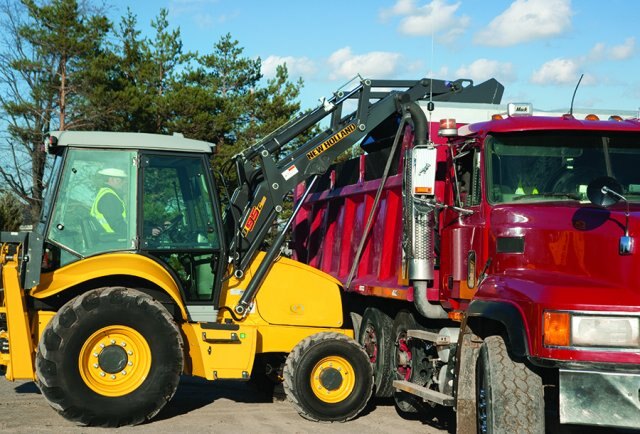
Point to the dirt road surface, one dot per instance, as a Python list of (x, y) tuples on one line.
[(207, 407)]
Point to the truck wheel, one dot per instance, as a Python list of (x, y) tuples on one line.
[(375, 337), (328, 377), (110, 357), (510, 397), (404, 362)]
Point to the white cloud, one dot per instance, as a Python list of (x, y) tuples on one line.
[(568, 70), (402, 7), (297, 66), (624, 50), (484, 69), (380, 64), (560, 71), (437, 17), (527, 20), (601, 51)]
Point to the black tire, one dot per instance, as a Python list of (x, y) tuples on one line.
[(110, 357), (403, 362), (328, 378), (375, 336), (510, 396)]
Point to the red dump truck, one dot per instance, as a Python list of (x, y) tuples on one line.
[(492, 268)]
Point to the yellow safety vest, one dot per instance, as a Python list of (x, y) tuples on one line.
[(520, 190), (98, 215)]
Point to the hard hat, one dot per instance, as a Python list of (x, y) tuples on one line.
[(111, 172)]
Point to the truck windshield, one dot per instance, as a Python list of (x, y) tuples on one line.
[(558, 165)]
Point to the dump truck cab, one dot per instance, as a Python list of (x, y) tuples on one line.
[(547, 255)]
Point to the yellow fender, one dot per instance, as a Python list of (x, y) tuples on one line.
[(110, 264)]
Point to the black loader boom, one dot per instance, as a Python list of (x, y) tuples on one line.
[(266, 177)]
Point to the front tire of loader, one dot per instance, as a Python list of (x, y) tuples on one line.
[(110, 357), (328, 378)]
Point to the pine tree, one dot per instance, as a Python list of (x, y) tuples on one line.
[(43, 49), (11, 212)]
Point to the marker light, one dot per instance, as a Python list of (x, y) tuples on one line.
[(591, 117), (615, 118), (448, 128), (496, 117), (556, 329)]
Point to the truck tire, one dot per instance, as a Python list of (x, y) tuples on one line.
[(328, 378), (375, 337), (110, 357), (403, 362), (510, 397)]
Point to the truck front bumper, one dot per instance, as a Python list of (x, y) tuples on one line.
[(600, 398)]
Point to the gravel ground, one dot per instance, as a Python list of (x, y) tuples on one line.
[(201, 406)]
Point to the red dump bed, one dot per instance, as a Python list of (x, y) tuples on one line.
[(329, 228)]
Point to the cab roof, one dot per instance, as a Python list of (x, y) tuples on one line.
[(110, 140), (548, 123)]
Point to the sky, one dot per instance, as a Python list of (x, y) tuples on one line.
[(537, 49)]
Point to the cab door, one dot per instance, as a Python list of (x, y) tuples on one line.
[(180, 226), (463, 255)]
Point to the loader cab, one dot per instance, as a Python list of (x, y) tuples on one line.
[(136, 193)]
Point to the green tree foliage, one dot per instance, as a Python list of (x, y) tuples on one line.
[(45, 49), (11, 212), (73, 71)]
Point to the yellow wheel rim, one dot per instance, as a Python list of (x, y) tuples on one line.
[(332, 379), (114, 361)]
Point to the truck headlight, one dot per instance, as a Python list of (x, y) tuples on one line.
[(591, 330)]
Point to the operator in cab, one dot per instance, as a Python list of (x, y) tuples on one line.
[(108, 207)]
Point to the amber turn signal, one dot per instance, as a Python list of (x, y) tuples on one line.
[(557, 329)]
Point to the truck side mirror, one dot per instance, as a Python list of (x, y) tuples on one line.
[(604, 191)]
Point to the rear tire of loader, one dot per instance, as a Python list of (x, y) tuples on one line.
[(110, 357), (328, 378), (510, 396), (375, 337)]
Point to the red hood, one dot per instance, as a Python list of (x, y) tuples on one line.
[(572, 249)]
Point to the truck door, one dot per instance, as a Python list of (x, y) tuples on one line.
[(180, 226), (463, 256)]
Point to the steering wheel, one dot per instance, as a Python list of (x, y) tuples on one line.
[(568, 181), (173, 225)]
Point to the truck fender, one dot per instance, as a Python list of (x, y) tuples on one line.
[(506, 314)]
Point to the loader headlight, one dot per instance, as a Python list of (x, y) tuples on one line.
[(574, 329)]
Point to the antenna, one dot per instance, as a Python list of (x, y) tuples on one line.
[(430, 103), (574, 94)]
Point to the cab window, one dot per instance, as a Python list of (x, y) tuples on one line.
[(94, 210), (178, 222)]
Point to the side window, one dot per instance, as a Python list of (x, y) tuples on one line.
[(95, 208), (177, 211), (468, 174)]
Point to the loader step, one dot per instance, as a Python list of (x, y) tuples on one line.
[(424, 393), (429, 336)]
